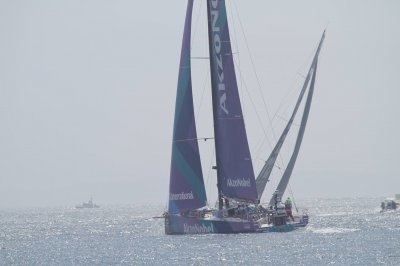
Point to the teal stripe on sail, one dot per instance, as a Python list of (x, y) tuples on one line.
[(183, 83), (191, 178)]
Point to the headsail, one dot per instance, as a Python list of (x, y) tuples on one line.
[(266, 171), (234, 166), (289, 168), (186, 188)]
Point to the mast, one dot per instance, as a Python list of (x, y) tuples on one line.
[(289, 169), (234, 166), (186, 188), (210, 47)]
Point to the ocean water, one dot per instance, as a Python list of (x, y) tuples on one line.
[(341, 232)]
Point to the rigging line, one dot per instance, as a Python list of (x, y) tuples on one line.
[(208, 184), (292, 88), (166, 206), (301, 75), (294, 202), (254, 70), (286, 120), (259, 86), (236, 43), (196, 23), (276, 115), (202, 94), (290, 91), (258, 146), (242, 81), (194, 139), (255, 109), (280, 154), (258, 81), (258, 117)]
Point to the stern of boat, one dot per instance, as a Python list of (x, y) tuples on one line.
[(301, 221)]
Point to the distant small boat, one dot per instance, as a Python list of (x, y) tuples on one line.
[(87, 205), (391, 203)]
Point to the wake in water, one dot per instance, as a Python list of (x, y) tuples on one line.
[(331, 230), (335, 214)]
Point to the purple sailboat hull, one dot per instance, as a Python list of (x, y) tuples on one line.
[(179, 225), (176, 225)]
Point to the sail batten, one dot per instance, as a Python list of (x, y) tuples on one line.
[(186, 189), (234, 166)]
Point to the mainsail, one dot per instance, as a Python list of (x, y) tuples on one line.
[(186, 188), (234, 166)]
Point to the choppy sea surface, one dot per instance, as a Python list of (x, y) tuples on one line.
[(341, 232)]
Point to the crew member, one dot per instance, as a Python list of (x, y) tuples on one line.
[(288, 208), (276, 199)]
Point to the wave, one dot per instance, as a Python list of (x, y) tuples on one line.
[(335, 214)]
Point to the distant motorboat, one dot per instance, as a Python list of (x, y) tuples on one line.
[(391, 203), (87, 205)]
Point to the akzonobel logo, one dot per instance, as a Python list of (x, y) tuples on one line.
[(198, 229), (217, 44)]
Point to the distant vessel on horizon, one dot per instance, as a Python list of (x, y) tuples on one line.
[(391, 203), (87, 205)]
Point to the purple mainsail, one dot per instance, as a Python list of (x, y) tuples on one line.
[(186, 188), (234, 165)]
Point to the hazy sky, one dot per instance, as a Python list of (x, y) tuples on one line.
[(87, 95)]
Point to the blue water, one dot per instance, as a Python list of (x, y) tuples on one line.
[(341, 232)]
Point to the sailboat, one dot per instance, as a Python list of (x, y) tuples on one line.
[(239, 192)]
